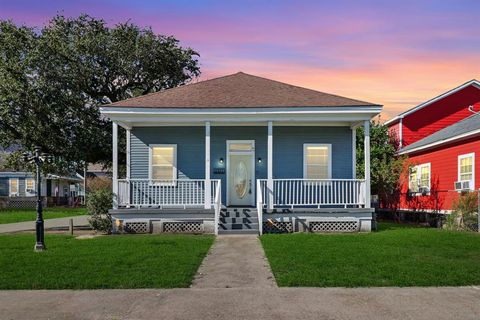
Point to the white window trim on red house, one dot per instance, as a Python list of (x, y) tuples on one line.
[(418, 168), (463, 156)]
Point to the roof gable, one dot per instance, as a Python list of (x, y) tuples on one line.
[(475, 83), (467, 126), (239, 90)]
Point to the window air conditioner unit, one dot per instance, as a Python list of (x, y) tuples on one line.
[(462, 185), (423, 190)]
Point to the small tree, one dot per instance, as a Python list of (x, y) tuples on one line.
[(98, 204), (386, 166)]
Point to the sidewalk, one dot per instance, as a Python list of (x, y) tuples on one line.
[(235, 261), (244, 303), (49, 223)]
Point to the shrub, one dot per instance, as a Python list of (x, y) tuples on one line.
[(98, 204), (464, 216), (97, 183)]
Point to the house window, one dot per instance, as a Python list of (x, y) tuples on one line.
[(419, 177), (13, 187), (466, 168), (163, 163), (317, 161), (30, 185)]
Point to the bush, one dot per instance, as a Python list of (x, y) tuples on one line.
[(98, 183), (464, 216), (98, 204)]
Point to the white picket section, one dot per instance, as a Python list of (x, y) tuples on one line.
[(313, 192), (181, 193)]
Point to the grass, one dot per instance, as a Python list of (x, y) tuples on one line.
[(123, 261), (19, 215), (396, 255)]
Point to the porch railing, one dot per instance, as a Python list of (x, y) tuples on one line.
[(312, 192), (175, 193)]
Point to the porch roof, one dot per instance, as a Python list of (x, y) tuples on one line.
[(239, 90)]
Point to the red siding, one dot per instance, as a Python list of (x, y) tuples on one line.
[(393, 130), (439, 114), (443, 173)]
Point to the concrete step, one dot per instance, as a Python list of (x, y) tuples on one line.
[(238, 214), (237, 231), (238, 226), (246, 220)]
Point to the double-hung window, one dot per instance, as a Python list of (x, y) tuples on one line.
[(419, 177), (163, 164), (317, 161), (13, 188), (29, 186), (466, 168)]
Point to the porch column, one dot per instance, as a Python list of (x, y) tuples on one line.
[(270, 166), (208, 185), (366, 126), (354, 152), (115, 164), (128, 166), (128, 153)]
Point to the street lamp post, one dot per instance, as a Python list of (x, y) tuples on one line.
[(38, 159)]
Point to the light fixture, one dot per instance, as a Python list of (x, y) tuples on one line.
[(259, 160), (221, 160)]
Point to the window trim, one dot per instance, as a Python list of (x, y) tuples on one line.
[(26, 187), (419, 167), (463, 156), (10, 194), (329, 148), (150, 158)]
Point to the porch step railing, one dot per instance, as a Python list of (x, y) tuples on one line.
[(175, 193), (312, 192)]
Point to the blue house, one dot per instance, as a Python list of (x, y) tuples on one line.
[(238, 154)]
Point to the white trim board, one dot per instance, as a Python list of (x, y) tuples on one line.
[(463, 156), (436, 143), (227, 168), (329, 149), (150, 154)]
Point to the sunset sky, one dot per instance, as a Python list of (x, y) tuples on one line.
[(395, 53)]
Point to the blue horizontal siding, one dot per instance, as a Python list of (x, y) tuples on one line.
[(287, 149), (190, 143)]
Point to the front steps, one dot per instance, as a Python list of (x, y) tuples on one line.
[(238, 221)]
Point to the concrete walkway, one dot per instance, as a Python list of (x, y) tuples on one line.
[(235, 261), (49, 223), (244, 303)]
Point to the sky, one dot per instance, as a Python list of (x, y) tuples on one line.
[(394, 53)]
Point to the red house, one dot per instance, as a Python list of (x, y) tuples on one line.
[(441, 137)]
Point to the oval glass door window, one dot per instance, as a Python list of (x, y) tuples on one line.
[(240, 179)]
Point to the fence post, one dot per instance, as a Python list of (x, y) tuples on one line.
[(70, 227)]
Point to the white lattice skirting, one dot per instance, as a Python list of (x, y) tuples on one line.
[(183, 227), (137, 227), (277, 227), (334, 226)]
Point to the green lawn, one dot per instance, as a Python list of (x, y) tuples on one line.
[(120, 261), (19, 215), (396, 255)]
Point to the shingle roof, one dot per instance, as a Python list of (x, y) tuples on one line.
[(239, 90), (465, 126)]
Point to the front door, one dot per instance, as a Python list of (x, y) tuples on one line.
[(240, 172)]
